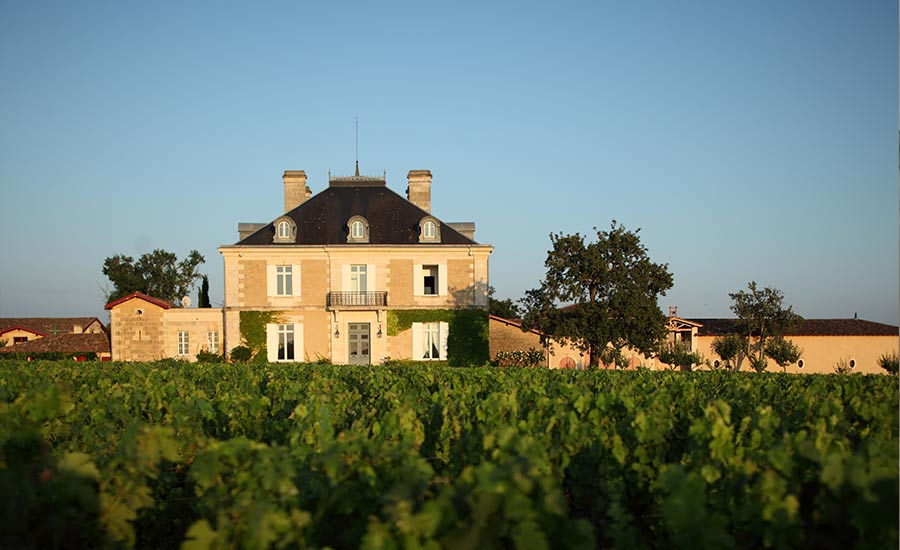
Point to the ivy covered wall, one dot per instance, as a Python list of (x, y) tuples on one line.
[(253, 330), (467, 342)]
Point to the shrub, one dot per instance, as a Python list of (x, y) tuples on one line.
[(842, 366), (204, 356), (519, 358), (241, 354), (889, 363)]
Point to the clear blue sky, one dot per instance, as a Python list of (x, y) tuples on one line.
[(748, 140)]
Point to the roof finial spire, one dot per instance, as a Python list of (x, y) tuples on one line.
[(356, 118)]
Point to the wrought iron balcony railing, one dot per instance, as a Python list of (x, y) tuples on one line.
[(357, 299)]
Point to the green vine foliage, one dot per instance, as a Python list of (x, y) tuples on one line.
[(253, 330), (467, 343)]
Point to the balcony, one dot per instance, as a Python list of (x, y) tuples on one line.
[(357, 300)]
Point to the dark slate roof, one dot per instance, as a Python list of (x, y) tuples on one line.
[(47, 325), (63, 343), (809, 327), (323, 218)]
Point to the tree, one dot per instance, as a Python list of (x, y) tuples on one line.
[(762, 315), (728, 348), (203, 294), (612, 286), (156, 274), (503, 308), (782, 352), (679, 354)]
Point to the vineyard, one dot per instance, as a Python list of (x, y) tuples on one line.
[(172, 455)]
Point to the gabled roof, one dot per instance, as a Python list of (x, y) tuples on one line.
[(47, 325), (23, 329), (513, 322), (322, 219), (809, 327), (63, 343), (141, 296)]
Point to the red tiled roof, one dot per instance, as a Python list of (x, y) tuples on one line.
[(26, 329), (47, 325), (809, 327), (161, 303), (64, 343)]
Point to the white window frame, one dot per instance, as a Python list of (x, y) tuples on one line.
[(359, 278), (427, 271), (285, 230), (357, 230), (284, 280), (275, 275), (212, 339), (184, 342), (429, 230), (277, 349), (419, 279), (427, 336)]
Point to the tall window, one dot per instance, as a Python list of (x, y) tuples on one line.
[(428, 230), (358, 230), (358, 278), (183, 342), (430, 279), (284, 230), (284, 280), (285, 342), (213, 341), (431, 341)]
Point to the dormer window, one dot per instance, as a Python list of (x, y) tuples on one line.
[(358, 230), (429, 230), (285, 230)]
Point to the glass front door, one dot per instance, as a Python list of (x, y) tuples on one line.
[(358, 338)]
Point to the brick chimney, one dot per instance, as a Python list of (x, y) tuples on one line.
[(295, 189), (419, 190)]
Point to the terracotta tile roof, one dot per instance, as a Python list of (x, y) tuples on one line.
[(47, 325), (139, 295), (65, 343), (809, 327), (322, 219)]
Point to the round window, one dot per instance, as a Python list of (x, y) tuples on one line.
[(853, 363), (800, 364)]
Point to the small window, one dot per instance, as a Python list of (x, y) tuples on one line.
[(429, 230), (357, 230), (285, 230), (19, 339), (213, 340), (183, 342), (430, 280), (800, 364), (139, 312), (716, 363), (853, 363)]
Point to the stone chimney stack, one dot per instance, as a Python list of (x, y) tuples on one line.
[(295, 189), (419, 190)]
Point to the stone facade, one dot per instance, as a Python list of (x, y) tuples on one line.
[(330, 290), (143, 328)]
